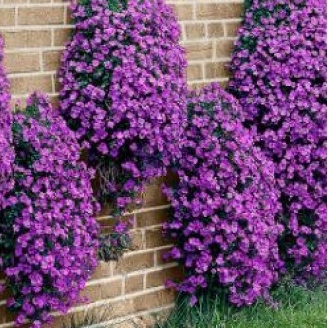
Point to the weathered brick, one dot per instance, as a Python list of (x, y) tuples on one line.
[(51, 60), (133, 283), (91, 294), (137, 240), (224, 48), (41, 15), (7, 16), (215, 30), (195, 31), (150, 218), (195, 72), (134, 262), (68, 16), (61, 35), (122, 308), (22, 62), (103, 270), (29, 84), (155, 238), (13, 2), (153, 300), (111, 289), (232, 28), (199, 50), (40, 1), (184, 12), (27, 38), (158, 278), (219, 10), (216, 70)]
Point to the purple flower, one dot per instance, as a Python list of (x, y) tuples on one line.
[(225, 204), (279, 75), (6, 151), (48, 245), (124, 92)]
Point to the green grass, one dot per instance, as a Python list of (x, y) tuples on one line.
[(297, 308)]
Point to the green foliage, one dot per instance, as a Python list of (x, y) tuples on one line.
[(113, 5), (113, 245), (296, 308)]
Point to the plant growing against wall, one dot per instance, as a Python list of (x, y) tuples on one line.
[(112, 245), (124, 92), (279, 76), (6, 151), (224, 205), (48, 245)]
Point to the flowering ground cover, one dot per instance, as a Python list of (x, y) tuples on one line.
[(279, 76), (48, 245), (124, 92), (224, 205), (6, 151), (249, 205)]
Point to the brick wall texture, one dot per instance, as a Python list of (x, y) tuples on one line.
[(35, 32)]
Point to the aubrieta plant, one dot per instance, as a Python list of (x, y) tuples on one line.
[(6, 151), (124, 92), (114, 244), (224, 205), (48, 245), (279, 76)]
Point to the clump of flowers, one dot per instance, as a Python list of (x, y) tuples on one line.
[(113, 245), (48, 244), (279, 76), (6, 151), (124, 91), (224, 204)]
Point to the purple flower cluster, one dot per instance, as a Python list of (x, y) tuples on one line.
[(124, 91), (113, 245), (48, 244), (7, 154), (224, 205), (279, 76)]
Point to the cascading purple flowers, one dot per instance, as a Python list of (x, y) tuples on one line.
[(48, 243), (224, 205), (279, 76), (7, 154), (124, 91)]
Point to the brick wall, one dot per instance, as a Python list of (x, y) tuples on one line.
[(34, 32)]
